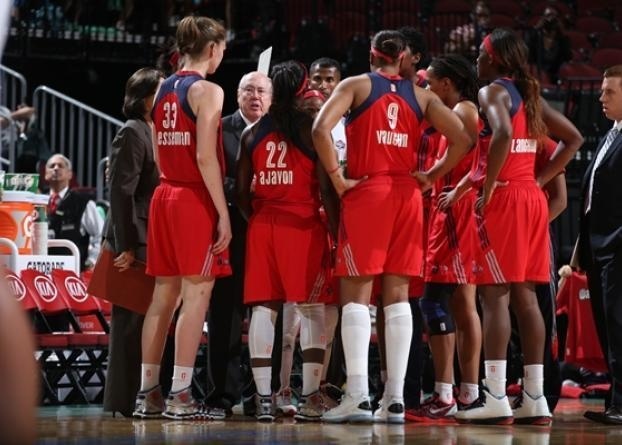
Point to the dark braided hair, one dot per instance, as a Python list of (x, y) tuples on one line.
[(287, 80), (511, 58), (461, 73)]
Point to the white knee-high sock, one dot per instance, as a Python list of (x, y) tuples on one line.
[(312, 336), (398, 329), (331, 316), (291, 325), (355, 334), (260, 344)]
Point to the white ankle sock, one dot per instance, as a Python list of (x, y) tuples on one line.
[(355, 334), (445, 391), (496, 376), (149, 376), (469, 392), (182, 378), (534, 380)]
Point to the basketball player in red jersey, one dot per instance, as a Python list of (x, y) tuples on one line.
[(414, 52), (380, 229), (287, 250), (189, 228), (513, 225), (448, 303)]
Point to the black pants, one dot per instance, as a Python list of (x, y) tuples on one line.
[(605, 284), (225, 319)]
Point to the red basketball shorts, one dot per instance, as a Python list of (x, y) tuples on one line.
[(513, 233), (287, 259), (181, 232), (381, 229)]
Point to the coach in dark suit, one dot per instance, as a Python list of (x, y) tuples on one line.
[(600, 243), (227, 311), (133, 178)]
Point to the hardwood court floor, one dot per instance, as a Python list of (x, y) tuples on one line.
[(89, 425)]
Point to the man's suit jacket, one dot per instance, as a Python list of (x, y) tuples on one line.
[(602, 237), (133, 179), (232, 127)]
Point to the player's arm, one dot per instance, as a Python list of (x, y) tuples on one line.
[(333, 110), (494, 100), (557, 195), (570, 140), (449, 124), (206, 99)]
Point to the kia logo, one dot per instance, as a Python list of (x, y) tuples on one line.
[(46, 289), (17, 287), (76, 289)]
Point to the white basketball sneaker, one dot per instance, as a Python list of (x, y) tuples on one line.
[(353, 408), (390, 410), (486, 410), (531, 411)]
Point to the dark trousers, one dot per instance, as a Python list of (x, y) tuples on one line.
[(124, 357), (416, 359), (604, 279), (225, 320), (552, 375)]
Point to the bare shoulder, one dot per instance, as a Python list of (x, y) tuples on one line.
[(465, 106), (204, 90), (493, 91)]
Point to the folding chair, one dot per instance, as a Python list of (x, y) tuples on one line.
[(50, 303), (49, 346), (92, 322)]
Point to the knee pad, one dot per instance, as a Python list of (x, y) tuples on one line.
[(435, 308)]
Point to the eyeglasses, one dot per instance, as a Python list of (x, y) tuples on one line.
[(251, 91)]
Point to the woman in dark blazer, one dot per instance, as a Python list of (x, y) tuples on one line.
[(133, 177)]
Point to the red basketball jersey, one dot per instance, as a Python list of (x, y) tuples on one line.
[(383, 132), (428, 147), (175, 130), (284, 170), (520, 162), (467, 164), (546, 148)]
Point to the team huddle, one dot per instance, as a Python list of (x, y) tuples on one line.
[(441, 196)]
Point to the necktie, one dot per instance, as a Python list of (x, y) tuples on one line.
[(613, 133), (53, 204)]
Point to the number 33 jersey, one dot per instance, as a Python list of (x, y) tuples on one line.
[(175, 134)]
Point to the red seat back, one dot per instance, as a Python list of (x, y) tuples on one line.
[(73, 290), (44, 291), (20, 291)]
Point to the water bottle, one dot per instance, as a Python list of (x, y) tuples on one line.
[(40, 232)]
